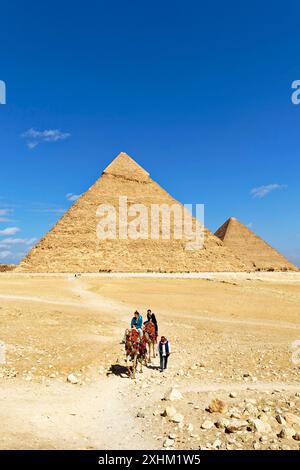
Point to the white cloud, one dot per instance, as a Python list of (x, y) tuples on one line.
[(5, 254), (10, 231), (34, 137), (262, 191), (32, 145), (17, 241), (72, 197)]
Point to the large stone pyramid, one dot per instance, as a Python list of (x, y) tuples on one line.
[(255, 253), (73, 246)]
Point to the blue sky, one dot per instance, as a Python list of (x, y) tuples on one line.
[(199, 93)]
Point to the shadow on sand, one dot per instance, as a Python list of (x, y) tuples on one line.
[(119, 371)]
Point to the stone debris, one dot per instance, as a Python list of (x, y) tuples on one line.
[(73, 379), (217, 406)]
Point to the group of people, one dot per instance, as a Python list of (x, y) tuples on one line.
[(164, 347)]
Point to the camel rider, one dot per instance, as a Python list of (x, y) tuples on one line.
[(151, 317), (137, 322)]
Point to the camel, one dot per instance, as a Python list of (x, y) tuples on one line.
[(150, 337), (134, 351)]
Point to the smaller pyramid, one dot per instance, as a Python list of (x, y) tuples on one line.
[(252, 250)]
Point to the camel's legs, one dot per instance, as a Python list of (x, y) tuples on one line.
[(134, 366), (128, 365)]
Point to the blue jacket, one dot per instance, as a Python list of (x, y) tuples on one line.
[(138, 323)]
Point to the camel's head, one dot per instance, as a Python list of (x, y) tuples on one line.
[(127, 333)]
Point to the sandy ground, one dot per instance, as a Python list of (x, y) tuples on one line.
[(231, 334)]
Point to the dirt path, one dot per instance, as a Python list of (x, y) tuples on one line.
[(59, 415), (98, 416)]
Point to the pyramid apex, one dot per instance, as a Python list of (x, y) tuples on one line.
[(231, 219), (125, 166)]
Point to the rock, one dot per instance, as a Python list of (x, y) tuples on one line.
[(297, 436), (140, 414), (236, 425), (177, 418), (190, 427), (172, 436), (169, 411), (282, 434), (260, 426), (217, 406), (168, 442), (293, 420), (233, 394), (207, 424), (73, 379), (280, 419), (251, 410), (286, 433), (266, 409), (173, 394), (235, 413), (217, 444), (222, 423)]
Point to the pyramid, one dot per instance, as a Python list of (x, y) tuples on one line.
[(73, 246), (254, 252)]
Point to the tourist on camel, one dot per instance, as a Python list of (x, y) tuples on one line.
[(151, 317), (137, 322)]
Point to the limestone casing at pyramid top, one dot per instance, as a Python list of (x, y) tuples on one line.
[(125, 166)]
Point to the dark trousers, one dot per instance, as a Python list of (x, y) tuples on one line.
[(163, 362)]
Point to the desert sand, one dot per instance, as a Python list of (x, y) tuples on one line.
[(231, 337)]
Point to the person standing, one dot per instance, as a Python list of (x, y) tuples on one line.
[(164, 349)]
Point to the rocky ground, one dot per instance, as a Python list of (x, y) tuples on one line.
[(230, 384)]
